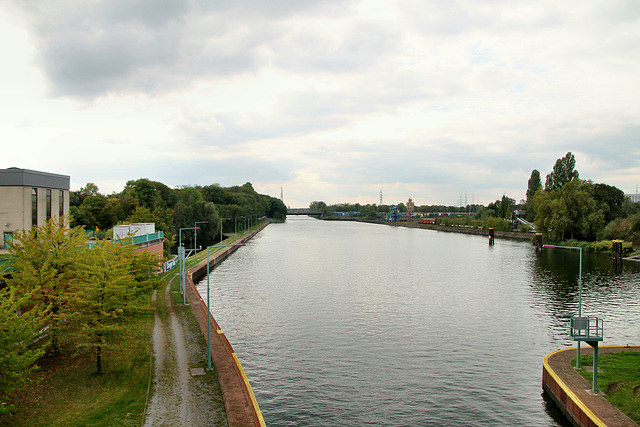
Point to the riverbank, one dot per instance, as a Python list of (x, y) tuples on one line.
[(573, 394), (241, 405), (463, 230)]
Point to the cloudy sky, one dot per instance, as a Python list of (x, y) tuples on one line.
[(332, 100)]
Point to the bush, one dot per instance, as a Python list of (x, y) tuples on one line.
[(499, 224), (627, 229)]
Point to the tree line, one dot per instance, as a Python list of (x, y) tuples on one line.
[(565, 207), (216, 209), (568, 207)]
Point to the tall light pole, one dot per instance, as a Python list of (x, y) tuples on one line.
[(182, 263), (222, 219), (579, 288), (208, 309), (195, 235)]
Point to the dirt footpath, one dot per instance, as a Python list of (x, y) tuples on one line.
[(181, 395)]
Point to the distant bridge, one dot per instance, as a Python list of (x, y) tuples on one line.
[(302, 211)]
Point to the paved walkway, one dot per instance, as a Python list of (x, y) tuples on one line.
[(181, 397), (561, 363)]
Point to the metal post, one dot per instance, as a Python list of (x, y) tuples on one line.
[(195, 235), (180, 258), (595, 367), (183, 267), (209, 309), (208, 318), (579, 302), (579, 289)]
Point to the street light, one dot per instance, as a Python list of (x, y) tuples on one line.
[(182, 263), (195, 235), (222, 219), (208, 309), (579, 287)]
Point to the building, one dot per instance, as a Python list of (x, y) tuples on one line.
[(143, 236), (635, 198), (29, 198)]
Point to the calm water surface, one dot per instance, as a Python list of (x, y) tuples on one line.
[(348, 324)]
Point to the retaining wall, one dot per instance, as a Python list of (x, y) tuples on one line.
[(240, 402), (572, 393)]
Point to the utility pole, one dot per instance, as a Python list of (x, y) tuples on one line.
[(381, 197)]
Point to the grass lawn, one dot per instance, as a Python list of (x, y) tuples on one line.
[(69, 393), (618, 378)]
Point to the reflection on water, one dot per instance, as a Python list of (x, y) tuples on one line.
[(358, 324)]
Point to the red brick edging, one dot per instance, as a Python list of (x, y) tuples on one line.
[(572, 393), (240, 402)]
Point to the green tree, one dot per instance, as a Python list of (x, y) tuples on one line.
[(17, 358), (610, 199), (533, 185), (112, 289), (569, 211), (563, 172), (45, 264)]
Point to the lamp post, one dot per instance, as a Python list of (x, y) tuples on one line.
[(182, 263), (579, 288), (195, 235), (208, 309), (222, 219)]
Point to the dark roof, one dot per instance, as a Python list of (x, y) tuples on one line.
[(16, 177)]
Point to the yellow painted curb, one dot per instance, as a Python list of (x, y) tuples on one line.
[(567, 390), (253, 397)]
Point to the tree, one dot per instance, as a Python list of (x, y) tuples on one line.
[(17, 358), (570, 210), (112, 289), (45, 264), (610, 199), (533, 185), (563, 172)]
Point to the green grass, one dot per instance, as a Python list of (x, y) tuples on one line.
[(69, 393), (619, 379)]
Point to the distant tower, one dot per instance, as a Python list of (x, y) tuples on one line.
[(380, 198), (281, 195), (410, 209)]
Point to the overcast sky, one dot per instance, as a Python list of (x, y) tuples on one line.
[(331, 100)]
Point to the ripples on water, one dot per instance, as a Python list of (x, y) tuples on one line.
[(358, 324)]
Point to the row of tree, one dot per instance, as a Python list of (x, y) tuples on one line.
[(372, 210), (64, 295), (216, 209), (565, 207), (569, 207)]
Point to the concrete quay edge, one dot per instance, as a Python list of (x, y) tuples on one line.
[(241, 405), (573, 394)]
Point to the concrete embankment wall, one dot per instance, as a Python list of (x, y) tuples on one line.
[(464, 230), (572, 407), (240, 402), (572, 393)]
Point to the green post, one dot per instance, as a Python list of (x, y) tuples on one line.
[(579, 289), (595, 367)]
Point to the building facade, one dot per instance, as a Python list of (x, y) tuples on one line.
[(29, 198)]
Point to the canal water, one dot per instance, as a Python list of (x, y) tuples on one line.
[(351, 324)]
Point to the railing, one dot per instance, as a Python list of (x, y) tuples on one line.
[(136, 240), (588, 328)]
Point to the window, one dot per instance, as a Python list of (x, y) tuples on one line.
[(34, 206), (61, 204), (48, 204)]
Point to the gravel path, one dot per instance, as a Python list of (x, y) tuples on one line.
[(178, 397)]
